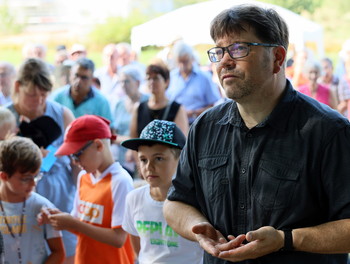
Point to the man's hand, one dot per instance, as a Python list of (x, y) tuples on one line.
[(261, 242), (208, 238)]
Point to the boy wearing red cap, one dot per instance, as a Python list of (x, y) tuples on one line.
[(100, 199)]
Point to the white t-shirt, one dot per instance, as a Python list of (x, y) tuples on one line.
[(33, 240), (159, 242)]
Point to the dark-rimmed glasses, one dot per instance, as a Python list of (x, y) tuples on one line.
[(236, 50), (75, 156)]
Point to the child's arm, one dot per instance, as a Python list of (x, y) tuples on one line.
[(111, 236), (58, 253), (135, 241)]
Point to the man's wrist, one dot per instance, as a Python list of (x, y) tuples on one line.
[(288, 240)]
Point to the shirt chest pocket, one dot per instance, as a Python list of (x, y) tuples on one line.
[(275, 184), (214, 176)]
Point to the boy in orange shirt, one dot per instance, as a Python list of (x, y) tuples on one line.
[(100, 199)]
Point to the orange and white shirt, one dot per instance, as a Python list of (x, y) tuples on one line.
[(101, 202)]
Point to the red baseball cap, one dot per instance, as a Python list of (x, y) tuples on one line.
[(82, 130)]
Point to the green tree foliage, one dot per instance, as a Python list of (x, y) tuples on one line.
[(116, 29), (180, 3), (297, 6), (334, 16), (8, 23)]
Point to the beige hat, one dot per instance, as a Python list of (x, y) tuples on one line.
[(77, 48)]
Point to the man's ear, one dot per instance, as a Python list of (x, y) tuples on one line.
[(3, 176), (280, 57)]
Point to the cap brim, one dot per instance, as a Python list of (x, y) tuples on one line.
[(68, 148), (136, 142)]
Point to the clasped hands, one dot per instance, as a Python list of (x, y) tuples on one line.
[(261, 242)]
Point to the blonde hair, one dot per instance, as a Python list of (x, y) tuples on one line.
[(6, 116), (7, 122), (19, 154)]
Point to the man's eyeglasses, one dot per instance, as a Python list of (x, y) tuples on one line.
[(236, 50), (82, 77), (124, 81), (75, 156), (29, 179)]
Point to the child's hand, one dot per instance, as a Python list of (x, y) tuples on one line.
[(43, 216), (62, 221)]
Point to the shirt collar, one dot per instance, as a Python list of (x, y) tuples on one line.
[(278, 118), (89, 95)]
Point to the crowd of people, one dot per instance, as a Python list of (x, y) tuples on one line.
[(239, 164)]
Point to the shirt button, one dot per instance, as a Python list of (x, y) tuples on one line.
[(242, 206), (243, 170), (249, 135)]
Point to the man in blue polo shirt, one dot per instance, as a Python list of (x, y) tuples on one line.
[(80, 96)]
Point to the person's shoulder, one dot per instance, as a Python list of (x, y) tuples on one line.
[(119, 173), (60, 91), (312, 110), (98, 94), (36, 200), (174, 73), (217, 112), (139, 192)]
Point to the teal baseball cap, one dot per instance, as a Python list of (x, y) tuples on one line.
[(158, 131)]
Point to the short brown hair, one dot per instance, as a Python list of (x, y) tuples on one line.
[(19, 154), (35, 71), (158, 67), (268, 25)]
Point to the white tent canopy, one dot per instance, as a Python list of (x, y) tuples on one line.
[(192, 22)]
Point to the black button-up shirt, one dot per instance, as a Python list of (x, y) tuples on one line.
[(290, 171)]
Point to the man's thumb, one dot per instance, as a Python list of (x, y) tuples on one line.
[(252, 235)]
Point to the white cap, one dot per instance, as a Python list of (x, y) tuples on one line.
[(77, 48)]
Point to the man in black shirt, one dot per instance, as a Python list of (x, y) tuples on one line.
[(263, 178)]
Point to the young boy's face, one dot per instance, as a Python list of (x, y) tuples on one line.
[(21, 185), (157, 164), (88, 159)]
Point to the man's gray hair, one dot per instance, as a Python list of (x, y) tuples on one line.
[(182, 49), (86, 64), (133, 72)]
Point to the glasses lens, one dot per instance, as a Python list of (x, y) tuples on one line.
[(38, 177), (74, 157), (215, 54), (238, 50)]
